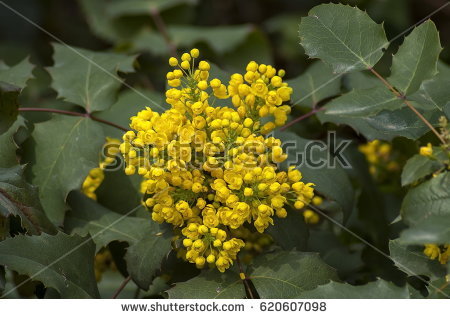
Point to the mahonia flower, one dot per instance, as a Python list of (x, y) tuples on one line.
[(96, 175), (103, 261), (378, 155), (441, 253), (209, 169), (426, 150)]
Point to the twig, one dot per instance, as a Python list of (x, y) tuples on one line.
[(245, 279), (403, 97), (302, 117), (122, 285), (161, 26), (87, 115)]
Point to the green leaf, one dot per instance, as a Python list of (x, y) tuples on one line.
[(412, 260), (19, 198), (287, 274), (342, 36), (8, 106), (433, 93), (386, 125), (139, 7), (222, 39), (210, 284), (16, 75), (128, 104), (317, 83), (88, 78), (63, 262), (144, 258), (8, 156), (364, 102), (333, 183), (290, 232), (416, 59), (2, 280), (67, 148), (360, 80), (281, 274), (427, 208), (379, 289), (103, 225), (418, 167)]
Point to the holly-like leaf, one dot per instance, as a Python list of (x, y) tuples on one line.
[(149, 243), (364, 102), (427, 208), (416, 59), (8, 156), (412, 260), (62, 262), (386, 125), (18, 198), (317, 83), (103, 225), (16, 75), (210, 284), (8, 106), (379, 289), (433, 93), (418, 167), (342, 36), (67, 148), (88, 78), (332, 182), (144, 257), (280, 274), (287, 274)]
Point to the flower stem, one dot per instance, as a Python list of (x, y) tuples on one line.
[(88, 115), (121, 287), (302, 117), (244, 280), (162, 28)]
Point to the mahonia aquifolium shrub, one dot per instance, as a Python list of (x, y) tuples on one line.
[(209, 170)]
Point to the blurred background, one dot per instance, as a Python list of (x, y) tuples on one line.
[(229, 32)]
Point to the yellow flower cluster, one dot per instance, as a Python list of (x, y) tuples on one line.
[(208, 169), (426, 150), (96, 175), (103, 261), (378, 155), (441, 253)]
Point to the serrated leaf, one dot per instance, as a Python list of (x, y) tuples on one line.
[(416, 58), (342, 36), (103, 225), (317, 83), (333, 183), (386, 125), (18, 74), (144, 257), (280, 274), (88, 78), (418, 167), (210, 284), (19, 198), (287, 274), (379, 289), (412, 260), (290, 232), (433, 93), (8, 106), (427, 207), (67, 148), (364, 102), (8, 156), (63, 262)]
